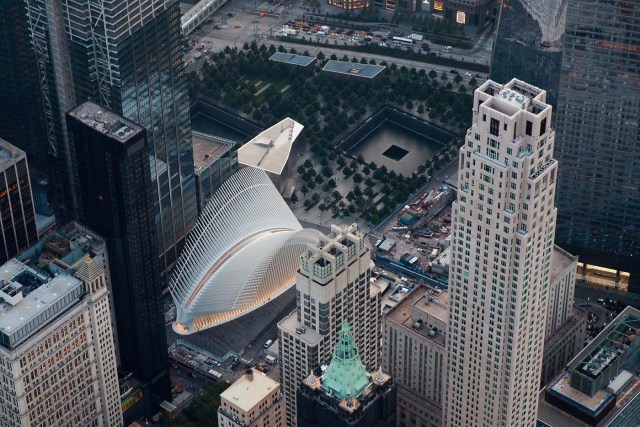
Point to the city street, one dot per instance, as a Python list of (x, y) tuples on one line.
[(241, 22)]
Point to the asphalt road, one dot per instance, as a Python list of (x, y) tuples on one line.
[(245, 25), (592, 293)]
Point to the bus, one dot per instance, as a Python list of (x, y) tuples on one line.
[(402, 41)]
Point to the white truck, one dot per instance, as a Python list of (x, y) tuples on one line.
[(290, 31)]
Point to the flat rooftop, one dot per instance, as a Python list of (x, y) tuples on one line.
[(105, 121), (246, 393), (560, 260), (355, 69), (513, 97), (290, 58), (291, 325), (34, 304), (207, 149), (613, 342), (422, 299), (8, 153), (270, 149)]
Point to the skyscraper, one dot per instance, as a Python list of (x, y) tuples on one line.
[(503, 224), (346, 395), (17, 217), (332, 287), (126, 56), (598, 122), (57, 358), (20, 118), (113, 189), (528, 43)]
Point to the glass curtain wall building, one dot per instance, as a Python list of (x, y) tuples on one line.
[(113, 190), (20, 123), (598, 118), (126, 56), (528, 43)]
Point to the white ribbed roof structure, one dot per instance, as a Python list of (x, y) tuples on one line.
[(271, 148), (243, 251)]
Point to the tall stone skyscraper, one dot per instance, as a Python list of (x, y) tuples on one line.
[(126, 56), (598, 122), (502, 241), (332, 287), (528, 43), (57, 350)]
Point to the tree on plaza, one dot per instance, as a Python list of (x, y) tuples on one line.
[(201, 412)]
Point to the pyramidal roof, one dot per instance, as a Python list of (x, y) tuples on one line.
[(88, 269), (345, 376)]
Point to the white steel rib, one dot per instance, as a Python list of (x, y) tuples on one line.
[(243, 251)]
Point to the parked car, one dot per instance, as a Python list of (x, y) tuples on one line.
[(452, 71)]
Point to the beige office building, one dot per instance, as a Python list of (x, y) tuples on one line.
[(501, 246), (57, 353), (566, 328), (562, 287), (332, 287), (254, 400), (414, 354)]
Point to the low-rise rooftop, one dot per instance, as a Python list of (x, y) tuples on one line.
[(423, 303), (600, 381), (249, 390), (354, 69), (292, 59), (560, 260), (208, 148)]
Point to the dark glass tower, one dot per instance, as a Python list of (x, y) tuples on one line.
[(125, 55), (20, 123), (17, 217), (113, 189), (528, 44), (598, 137)]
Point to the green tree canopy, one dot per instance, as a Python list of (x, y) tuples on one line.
[(201, 412)]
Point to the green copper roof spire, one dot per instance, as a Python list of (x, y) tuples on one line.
[(345, 377)]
